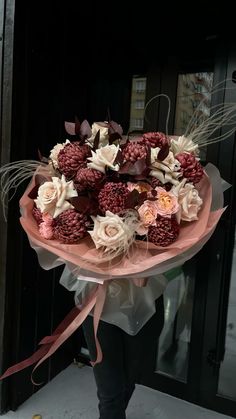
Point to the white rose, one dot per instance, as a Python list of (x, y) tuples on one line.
[(104, 157), (189, 201), (183, 144), (55, 151), (104, 136), (52, 196), (111, 232)]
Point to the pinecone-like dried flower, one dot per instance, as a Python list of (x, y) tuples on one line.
[(165, 232), (191, 169), (112, 197), (72, 157), (134, 151), (87, 178), (37, 215), (70, 226), (155, 139)]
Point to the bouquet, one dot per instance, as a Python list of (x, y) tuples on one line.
[(114, 206)]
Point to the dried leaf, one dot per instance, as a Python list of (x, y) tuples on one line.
[(77, 126), (119, 158), (84, 204), (132, 199), (154, 192), (85, 130), (142, 197), (39, 179), (113, 137), (163, 153), (70, 128), (124, 169), (80, 203), (134, 169), (34, 192), (96, 141), (115, 128)]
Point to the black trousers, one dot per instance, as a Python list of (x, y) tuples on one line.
[(125, 359)]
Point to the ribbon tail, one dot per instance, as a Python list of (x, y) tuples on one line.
[(26, 363), (48, 341), (102, 290), (77, 321)]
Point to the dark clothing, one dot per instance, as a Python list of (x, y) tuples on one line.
[(125, 359)]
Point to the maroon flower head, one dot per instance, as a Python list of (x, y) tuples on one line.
[(155, 139), (87, 178), (112, 197), (191, 169), (70, 226), (134, 151), (72, 157), (165, 232)]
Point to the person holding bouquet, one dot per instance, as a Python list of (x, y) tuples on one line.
[(127, 354)]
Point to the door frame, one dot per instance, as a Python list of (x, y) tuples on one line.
[(215, 259), (7, 14)]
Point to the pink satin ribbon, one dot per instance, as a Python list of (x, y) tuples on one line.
[(66, 328)]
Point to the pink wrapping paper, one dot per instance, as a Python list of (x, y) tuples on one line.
[(144, 258)]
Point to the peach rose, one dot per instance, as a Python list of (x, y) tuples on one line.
[(167, 203), (148, 212)]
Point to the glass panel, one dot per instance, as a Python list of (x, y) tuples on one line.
[(174, 341), (173, 352), (193, 95), (227, 376)]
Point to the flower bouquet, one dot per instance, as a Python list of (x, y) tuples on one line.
[(113, 206)]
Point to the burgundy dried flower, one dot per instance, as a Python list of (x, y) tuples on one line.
[(87, 178), (37, 215), (112, 197), (165, 232), (155, 139), (70, 226), (191, 169), (134, 151), (72, 157)]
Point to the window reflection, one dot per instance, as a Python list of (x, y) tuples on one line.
[(173, 351), (138, 95), (228, 367), (193, 94)]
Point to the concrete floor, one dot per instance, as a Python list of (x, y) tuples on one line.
[(72, 395)]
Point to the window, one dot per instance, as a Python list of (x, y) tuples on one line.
[(139, 104), (140, 85), (137, 123)]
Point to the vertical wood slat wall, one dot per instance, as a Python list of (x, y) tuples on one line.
[(6, 69)]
